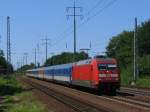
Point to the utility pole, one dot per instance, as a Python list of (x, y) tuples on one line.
[(21, 62), (35, 56), (66, 45), (46, 42), (18, 64), (90, 44), (0, 41), (74, 15), (26, 58), (135, 52), (8, 45), (23, 59), (38, 52)]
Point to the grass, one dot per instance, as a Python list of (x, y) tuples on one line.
[(16, 98), (9, 85), (25, 102), (127, 78), (143, 82)]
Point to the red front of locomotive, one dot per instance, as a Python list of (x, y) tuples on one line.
[(108, 74)]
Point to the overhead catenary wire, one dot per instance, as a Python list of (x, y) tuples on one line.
[(62, 35), (95, 6), (88, 18), (70, 32), (102, 5), (98, 12)]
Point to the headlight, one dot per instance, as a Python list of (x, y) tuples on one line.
[(102, 75)]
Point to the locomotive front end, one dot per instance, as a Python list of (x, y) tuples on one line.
[(108, 74)]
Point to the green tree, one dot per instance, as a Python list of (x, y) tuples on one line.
[(26, 67), (144, 38), (121, 48), (65, 57), (3, 63)]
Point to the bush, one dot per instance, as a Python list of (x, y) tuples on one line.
[(9, 85), (126, 75), (143, 82), (144, 65)]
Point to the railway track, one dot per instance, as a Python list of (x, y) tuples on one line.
[(127, 95), (130, 101), (135, 91), (69, 101), (96, 104)]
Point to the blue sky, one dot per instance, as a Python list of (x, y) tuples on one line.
[(32, 20)]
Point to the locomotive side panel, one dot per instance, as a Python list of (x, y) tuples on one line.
[(95, 77), (82, 75)]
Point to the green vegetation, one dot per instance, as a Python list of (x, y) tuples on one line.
[(126, 75), (16, 98), (65, 57), (24, 102), (9, 85), (143, 82), (4, 65), (2, 60), (26, 67), (121, 48)]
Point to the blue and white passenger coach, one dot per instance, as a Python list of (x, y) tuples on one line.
[(60, 73)]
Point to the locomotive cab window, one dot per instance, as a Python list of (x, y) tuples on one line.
[(102, 66), (107, 66), (112, 66)]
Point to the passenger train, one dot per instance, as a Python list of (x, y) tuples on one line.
[(98, 73)]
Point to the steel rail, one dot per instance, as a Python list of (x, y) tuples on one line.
[(136, 102), (69, 101), (135, 91)]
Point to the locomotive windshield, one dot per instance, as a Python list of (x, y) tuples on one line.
[(107, 66), (102, 67)]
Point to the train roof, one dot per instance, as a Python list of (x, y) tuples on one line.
[(82, 62), (107, 60), (88, 61), (53, 67), (59, 66)]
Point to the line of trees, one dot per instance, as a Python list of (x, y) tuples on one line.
[(26, 67), (65, 57), (121, 47)]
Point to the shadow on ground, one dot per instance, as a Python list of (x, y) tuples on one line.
[(9, 90)]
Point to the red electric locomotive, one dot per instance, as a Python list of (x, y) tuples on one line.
[(98, 73)]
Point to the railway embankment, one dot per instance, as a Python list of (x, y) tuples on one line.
[(16, 97), (124, 102)]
